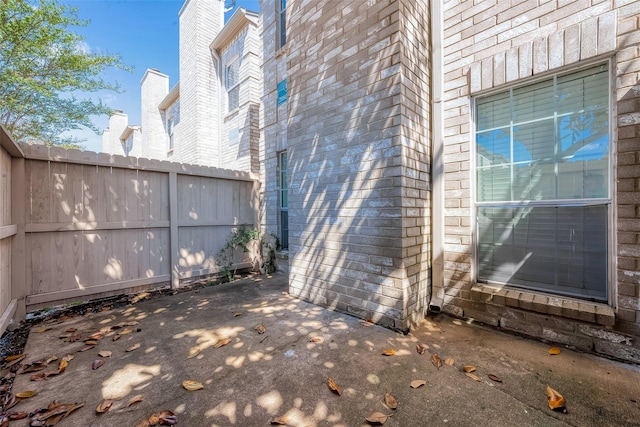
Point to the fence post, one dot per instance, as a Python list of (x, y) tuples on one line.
[(18, 255), (173, 221)]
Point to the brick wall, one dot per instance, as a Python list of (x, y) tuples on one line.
[(490, 44), (118, 121), (154, 88), (200, 22), (358, 139)]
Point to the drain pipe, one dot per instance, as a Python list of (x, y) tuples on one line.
[(437, 166)]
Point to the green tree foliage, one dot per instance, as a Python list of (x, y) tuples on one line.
[(47, 74)]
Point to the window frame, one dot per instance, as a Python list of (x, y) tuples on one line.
[(235, 61), (281, 24), (609, 201), (170, 133)]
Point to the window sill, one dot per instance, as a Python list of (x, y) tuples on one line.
[(281, 51), (170, 152), (560, 306), (231, 113)]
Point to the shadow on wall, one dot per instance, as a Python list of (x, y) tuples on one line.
[(359, 167)]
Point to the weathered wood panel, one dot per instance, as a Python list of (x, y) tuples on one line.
[(97, 224)]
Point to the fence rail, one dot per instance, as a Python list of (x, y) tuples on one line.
[(87, 225)]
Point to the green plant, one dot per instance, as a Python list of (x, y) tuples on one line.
[(240, 239)]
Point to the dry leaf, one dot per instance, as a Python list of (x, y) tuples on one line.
[(222, 342), (95, 336), (167, 418), (62, 365), (333, 386), (237, 313), (421, 348), (140, 297), (388, 352), (104, 406), (26, 394), (68, 357), (193, 352), (260, 328), (15, 357), (38, 377), (316, 340), (42, 330), (87, 348), (72, 330), (494, 378), (377, 418), (192, 385), (473, 376), (468, 368), (417, 383), (449, 361), (133, 347), (556, 401), (97, 363), (105, 353), (90, 342), (366, 323), (391, 401), (33, 367), (553, 351), (135, 399), (435, 359), (17, 415), (281, 421), (51, 358)]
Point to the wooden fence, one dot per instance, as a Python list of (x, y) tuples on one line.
[(89, 225)]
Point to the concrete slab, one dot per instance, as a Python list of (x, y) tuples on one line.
[(257, 377)]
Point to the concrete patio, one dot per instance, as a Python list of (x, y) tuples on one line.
[(257, 377)]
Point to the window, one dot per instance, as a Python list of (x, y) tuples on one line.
[(232, 84), (543, 198), (170, 126), (281, 16), (284, 200)]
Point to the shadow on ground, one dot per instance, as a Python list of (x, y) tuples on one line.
[(282, 373)]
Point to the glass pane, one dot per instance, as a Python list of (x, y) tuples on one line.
[(493, 111), (584, 90), (232, 74), (533, 102), (234, 98), (534, 168), (494, 184), (554, 249), (493, 147)]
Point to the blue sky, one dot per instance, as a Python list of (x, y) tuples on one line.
[(145, 34)]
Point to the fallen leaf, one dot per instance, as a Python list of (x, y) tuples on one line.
[(553, 351), (237, 313), (193, 352), (95, 336), (41, 330), (38, 377), (192, 385), (68, 357), (435, 359), (51, 358), (281, 421), (33, 367), (391, 401), (90, 342), (168, 418), (388, 352), (556, 401), (494, 378), (135, 399), (377, 418), (468, 368), (133, 347), (17, 415), (260, 328), (26, 394), (421, 348), (72, 330), (417, 383), (116, 338), (366, 323), (140, 297), (222, 342), (105, 353), (316, 340), (15, 357), (62, 365), (333, 386), (97, 363), (104, 406), (87, 348), (449, 361), (473, 376)]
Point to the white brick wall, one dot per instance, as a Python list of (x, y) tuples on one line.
[(154, 88)]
